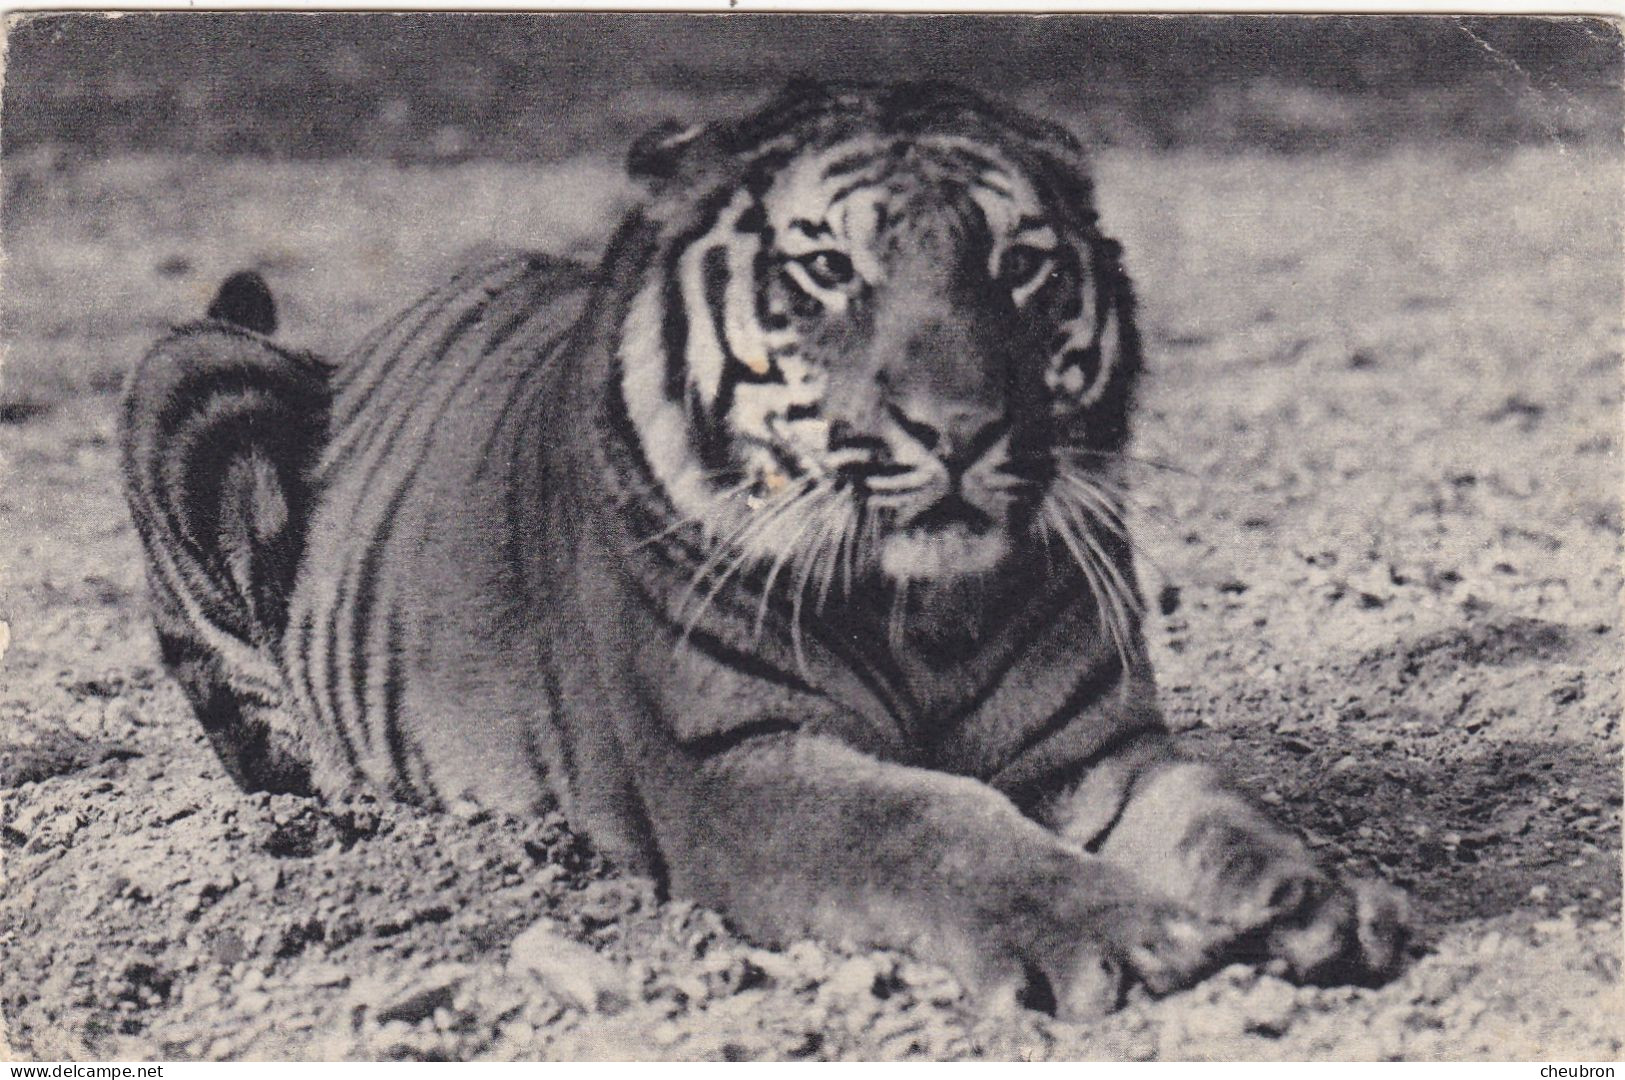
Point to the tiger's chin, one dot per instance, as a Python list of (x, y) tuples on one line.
[(944, 553)]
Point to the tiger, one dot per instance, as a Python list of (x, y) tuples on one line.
[(785, 550)]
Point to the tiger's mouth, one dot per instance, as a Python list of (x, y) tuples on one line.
[(949, 513), (919, 522)]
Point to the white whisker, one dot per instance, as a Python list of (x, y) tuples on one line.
[(803, 575), (1108, 515), (692, 519), (830, 564), (786, 556), (736, 544), (1073, 532)]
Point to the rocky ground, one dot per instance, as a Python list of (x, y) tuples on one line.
[(1379, 512)]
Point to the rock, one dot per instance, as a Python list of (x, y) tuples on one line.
[(862, 976), (266, 879), (418, 1000), (574, 970), (1269, 1006), (518, 1032), (321, 975), (202, 995), (929, 983)]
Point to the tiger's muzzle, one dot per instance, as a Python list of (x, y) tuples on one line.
[(938, 458)]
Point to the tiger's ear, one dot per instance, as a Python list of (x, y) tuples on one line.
[(658, 155)]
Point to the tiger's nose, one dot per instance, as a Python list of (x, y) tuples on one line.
[(958, 434)]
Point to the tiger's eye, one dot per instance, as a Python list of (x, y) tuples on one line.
[(1021, 264), (829, 269)]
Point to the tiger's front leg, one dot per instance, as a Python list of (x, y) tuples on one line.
[(1188, 833), (797, 836)]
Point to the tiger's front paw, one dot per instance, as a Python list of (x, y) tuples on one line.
[(1354, 931), (1076, 945), (1160, 947), (1287, 913)]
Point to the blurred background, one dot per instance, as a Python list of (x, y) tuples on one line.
[(523, 87), (351, 156)]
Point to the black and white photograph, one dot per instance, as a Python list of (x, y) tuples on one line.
[(838, 537)]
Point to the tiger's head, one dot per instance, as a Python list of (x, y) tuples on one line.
[(882, 336)]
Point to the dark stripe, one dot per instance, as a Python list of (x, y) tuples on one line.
[(1033, 627), (334, 690), (1072, 272), (851, 163), (977, 181), (307, 631), (706, 746), (353, 591), (871, 663), (802, 302), (674, 319), (962, 154), (378, 356), (529, 309), (518, 529), (402, 371), (865, 660), (753, 220), (674, 336), (536, 363), (1116, 746), (391, 718), (360, 629), (1092, 685), (811, 229), (708, 437), (714, 270), (708, 643), (387, 429), (846, 191), (518, 392), (623, 433), (408, 411), (763, 266)]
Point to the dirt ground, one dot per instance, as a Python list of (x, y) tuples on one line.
[(1379, 516)]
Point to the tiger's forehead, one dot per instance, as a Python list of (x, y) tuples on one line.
[(844, 192)]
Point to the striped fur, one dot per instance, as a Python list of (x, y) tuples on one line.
[(785, 549)]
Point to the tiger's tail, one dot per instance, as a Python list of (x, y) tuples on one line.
[(220, 431)]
